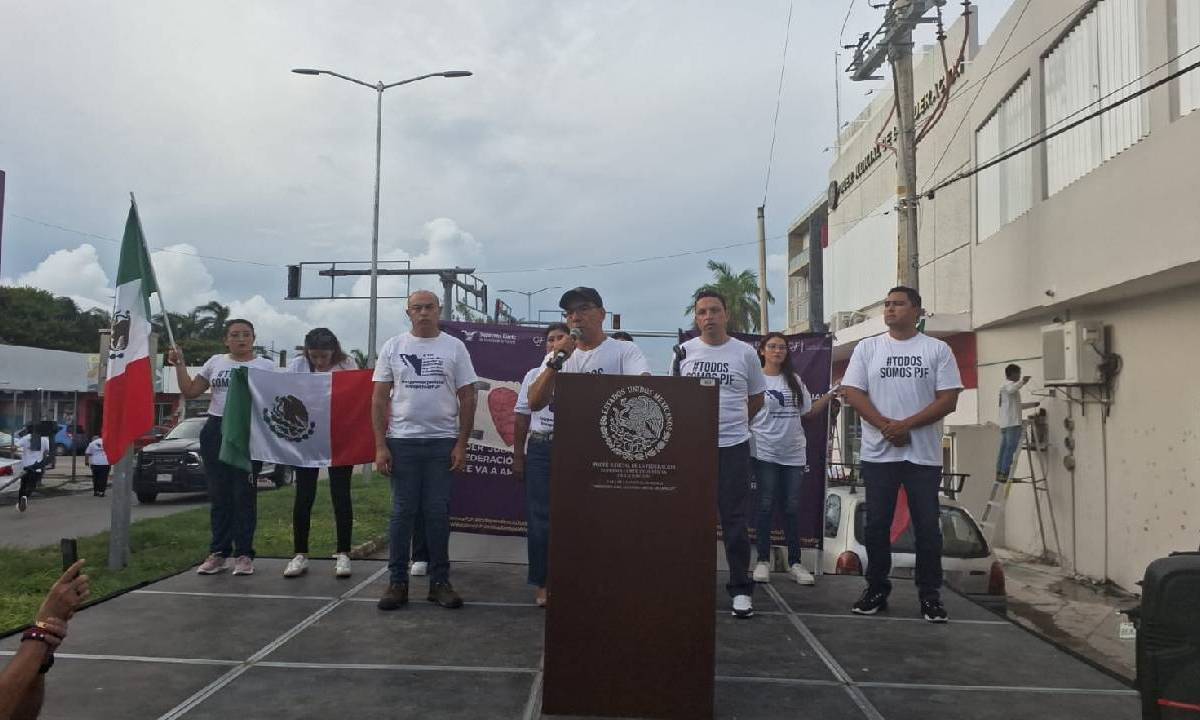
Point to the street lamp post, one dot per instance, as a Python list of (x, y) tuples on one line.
[(378, 87), (529, 297)]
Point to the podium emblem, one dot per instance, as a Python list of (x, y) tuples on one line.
[(636, 423)]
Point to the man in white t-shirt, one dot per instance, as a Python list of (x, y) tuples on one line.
[(902, 384), (533, 466), (736, 368), (35, 453), (423, 411), (97, 460), (588, 350), (1010, 418)]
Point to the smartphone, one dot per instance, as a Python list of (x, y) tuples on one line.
[(70, 552)]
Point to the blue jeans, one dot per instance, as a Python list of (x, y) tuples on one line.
[(233, 494), (921, 482), (1010, 441), (537, 509), (421, 483), (778, 485)]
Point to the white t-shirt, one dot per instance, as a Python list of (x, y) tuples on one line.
[(30, 456), (1010, 403), (95, 452), (300, 364), (902, 378), (736, 368), (610, 357), (541, 420), (427, 374), (216, 372), (777, 428)]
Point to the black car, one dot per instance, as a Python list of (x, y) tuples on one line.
[(173, 465)]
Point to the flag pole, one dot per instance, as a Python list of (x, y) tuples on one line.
[(153, 275)]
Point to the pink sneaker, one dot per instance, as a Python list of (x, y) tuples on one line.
[(244, 565), (212, 565)]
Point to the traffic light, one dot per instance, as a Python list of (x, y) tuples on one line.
[(293, 282)]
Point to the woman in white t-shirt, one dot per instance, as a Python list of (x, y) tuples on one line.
[(35, 451), (780, 453), (322, 353), (230, 489), (97, 460)]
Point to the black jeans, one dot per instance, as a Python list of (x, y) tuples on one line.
[(29, 480), (733, 496), (100, 478), (233, 495), (306, 494), (921, 482)]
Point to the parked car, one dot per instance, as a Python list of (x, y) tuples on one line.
[(68, 439), (174, 465), (156, 433), (8, 447), (10, 470), (968, 562)]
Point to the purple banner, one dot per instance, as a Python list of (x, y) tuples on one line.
[(812, 358), (486, 498)]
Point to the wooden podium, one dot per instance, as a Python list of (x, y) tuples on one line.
[(630, 624)]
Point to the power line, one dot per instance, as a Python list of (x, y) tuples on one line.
[(84, 233), (1049, 136), (787, 33), (842, 32)]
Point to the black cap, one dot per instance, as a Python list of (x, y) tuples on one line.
[(574, 295)]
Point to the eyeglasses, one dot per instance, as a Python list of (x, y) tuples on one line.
[(776, 346), (240, 335), (578, 309)]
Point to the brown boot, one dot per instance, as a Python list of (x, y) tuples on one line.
[(394, 597), (443, 594)]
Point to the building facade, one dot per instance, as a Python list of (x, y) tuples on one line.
[(1095, 221)]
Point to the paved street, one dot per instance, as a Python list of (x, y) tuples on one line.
[(74, 515)]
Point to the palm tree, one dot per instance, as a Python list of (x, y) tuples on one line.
[(741, 296), (209, 319), (360, 358)]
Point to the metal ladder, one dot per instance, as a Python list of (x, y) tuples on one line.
[(1034, 449)]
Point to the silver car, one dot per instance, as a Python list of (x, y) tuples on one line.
[(968, 562)]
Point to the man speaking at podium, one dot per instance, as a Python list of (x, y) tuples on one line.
[(590, 351)]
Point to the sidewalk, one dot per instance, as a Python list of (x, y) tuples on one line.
[(1079, 616)]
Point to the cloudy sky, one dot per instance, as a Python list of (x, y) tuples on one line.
[(592, 133)]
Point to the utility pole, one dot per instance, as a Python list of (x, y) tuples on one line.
[(893, 42), (762, 269)]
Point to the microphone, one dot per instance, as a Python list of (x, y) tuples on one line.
[(560, 357)]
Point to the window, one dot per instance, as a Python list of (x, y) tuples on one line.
[(833, 515), (1097, 63), (1187, 38), (961, 537), (1005, 191)]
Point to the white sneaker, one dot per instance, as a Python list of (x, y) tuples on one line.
[(742, 606), (341, 565), (22, 503), (801, 575), (296, 567), (762, 572), (419, 569)]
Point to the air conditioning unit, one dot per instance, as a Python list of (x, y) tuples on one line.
[(1072, 353), (843, 319)]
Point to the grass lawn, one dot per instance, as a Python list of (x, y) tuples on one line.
[(167, 545)]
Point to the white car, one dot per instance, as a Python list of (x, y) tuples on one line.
[(968, 563), (10, 473)]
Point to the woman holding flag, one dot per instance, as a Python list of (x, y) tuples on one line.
[(322, 353), (230, 489)]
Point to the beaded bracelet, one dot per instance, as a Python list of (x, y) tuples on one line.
[(41, 636)]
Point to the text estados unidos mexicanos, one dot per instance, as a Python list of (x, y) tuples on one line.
[(905, 366)]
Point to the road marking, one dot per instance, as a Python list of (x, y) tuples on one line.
[(137, 658), (387, 666), (852, 616), (1001, 688), (533, 706), (251, 596)]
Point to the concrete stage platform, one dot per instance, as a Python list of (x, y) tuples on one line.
[(316, 647)]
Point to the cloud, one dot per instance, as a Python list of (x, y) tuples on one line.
[(185, 281), (76, 274)]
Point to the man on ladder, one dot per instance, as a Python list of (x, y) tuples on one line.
[(1010, 419)]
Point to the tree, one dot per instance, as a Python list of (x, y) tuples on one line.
[(741, 296), (209, 319), (37, 318), (360, 358)]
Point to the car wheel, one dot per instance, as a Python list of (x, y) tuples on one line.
[(146, 498), (282, 475)]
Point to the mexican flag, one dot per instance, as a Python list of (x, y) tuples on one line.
[(129, 385), (301, 419)]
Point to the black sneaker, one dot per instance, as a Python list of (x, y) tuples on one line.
[(870, 602), (394, 597), (933, 610), (443, 594)]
